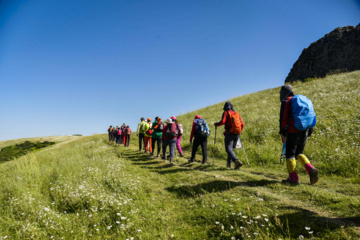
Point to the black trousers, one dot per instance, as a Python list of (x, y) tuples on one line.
[(141, 140), (295, 144), (199, 141), (158, 142), (127, 140)]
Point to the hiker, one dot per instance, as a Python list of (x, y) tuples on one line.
[(113, 133), (200, 132), (123, 136), (295, 139), (157, 127), (117, 135), (128, 136), (109, 132), (169, 138), (148, 133), (181, 130), (140, 132), (233, 127)]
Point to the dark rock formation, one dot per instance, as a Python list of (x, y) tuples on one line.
[(338, 50)]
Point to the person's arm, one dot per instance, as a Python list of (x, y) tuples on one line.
[(192, 131), (285, 121), (222, 121), (138, 129)]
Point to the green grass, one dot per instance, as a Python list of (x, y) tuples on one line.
[(89, 189)]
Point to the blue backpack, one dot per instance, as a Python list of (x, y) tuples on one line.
[(303, 112), (201, 128)]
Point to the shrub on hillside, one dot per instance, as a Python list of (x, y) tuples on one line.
[(10, 152)]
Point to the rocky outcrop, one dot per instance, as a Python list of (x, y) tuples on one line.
[(338, 50)]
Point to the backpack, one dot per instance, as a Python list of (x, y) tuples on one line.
[(201, 128), (235, 123), (160, 127), (181, 129), (119, 132), (149, 132), (142, 127), (172, 130), (303, 112), (128, 131)]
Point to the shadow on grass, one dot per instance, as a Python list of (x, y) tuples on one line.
[(301, 218), (214, 186)]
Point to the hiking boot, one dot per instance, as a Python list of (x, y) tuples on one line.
[(314, 175), (163, 158), (152, 153), (191, 160), (171, 160), (228, 165), (288, 181), (238, 164), (181, 155), (204, 163)]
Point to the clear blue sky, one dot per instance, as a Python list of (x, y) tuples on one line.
[(78, 66)]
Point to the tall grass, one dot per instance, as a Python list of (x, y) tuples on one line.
[(334, 146)]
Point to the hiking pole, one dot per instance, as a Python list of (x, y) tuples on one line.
[(283, 153), (214, 146), (244, 151)]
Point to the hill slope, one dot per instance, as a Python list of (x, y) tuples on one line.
[(90, 189)]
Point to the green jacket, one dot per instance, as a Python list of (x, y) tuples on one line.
[(156, 134), (139, 129)]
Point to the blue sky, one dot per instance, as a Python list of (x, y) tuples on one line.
[(69, 67)]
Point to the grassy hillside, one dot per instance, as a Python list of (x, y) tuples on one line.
[(334, 147), (90, 189)]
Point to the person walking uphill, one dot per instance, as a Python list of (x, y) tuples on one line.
[(140, 132), (233, 127), (128, 136), (148, 133), (123, 135), (157, 128), (200, 132), (181, 129), (109, 132), (294, 130), (169, 137)]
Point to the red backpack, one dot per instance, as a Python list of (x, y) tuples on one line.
[(172, 130)]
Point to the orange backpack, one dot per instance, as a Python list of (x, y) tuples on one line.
[(235, 122)]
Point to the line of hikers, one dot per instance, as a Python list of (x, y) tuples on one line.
[(297, 119), (120, 135)]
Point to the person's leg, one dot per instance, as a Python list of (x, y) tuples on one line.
[(158, 146), (165, 143), (153, 141), (150, 144), (146, 140), (204, 150), (313, 172), (172, 148), (291, 145), (195, 146), (178, 146), (141, 141), (124, 139), (128, 140)]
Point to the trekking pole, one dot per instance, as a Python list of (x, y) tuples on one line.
[(244, 151), (214, 146), (283, 153)]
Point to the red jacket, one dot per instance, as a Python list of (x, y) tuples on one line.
[(226, 120), (287, 121)]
